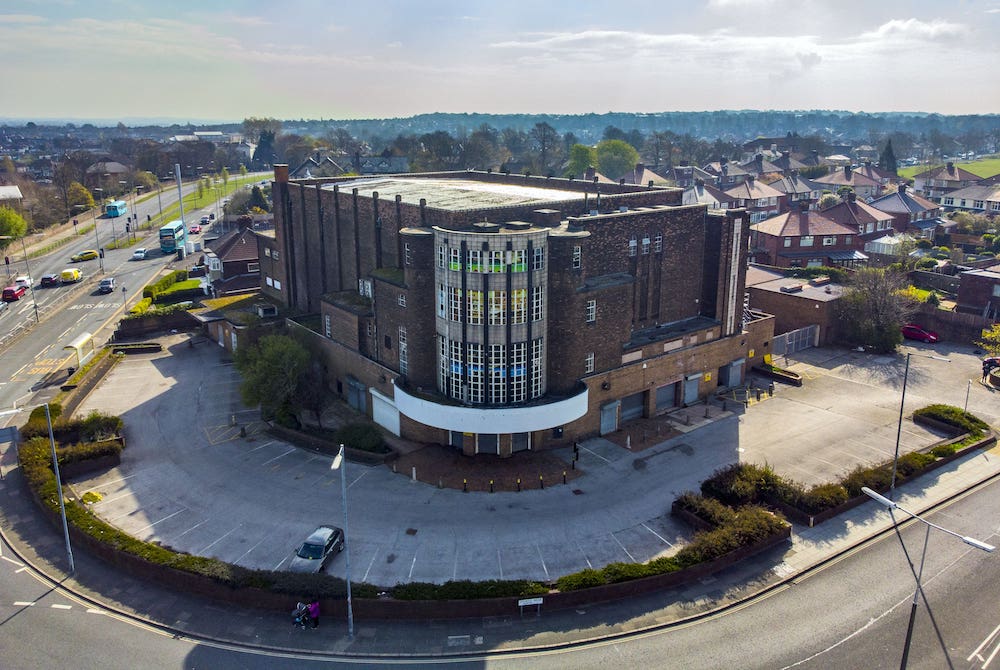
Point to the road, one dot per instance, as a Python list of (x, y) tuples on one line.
[(65, 312)]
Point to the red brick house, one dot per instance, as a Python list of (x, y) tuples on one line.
[(979, 292), (863, 186), (868, 222), (758, 198), (233, 262), (938, 182), (805, 239), (910, 212)]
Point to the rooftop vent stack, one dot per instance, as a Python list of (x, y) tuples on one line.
[(847, 172)]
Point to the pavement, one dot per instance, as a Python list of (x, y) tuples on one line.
[(816, 441)]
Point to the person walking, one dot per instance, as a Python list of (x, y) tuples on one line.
[(986, 370), (314, 612)]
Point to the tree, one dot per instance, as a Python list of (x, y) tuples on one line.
[(545, 142), (991, 340), (615, 158), (78, 196), (263, 155), (254, 128), (581, 157), (271, 369), (873, 307), (887, 159), (12, 226), (225, 178), (257, 200), (827, 200)]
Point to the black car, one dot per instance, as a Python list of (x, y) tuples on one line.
[(51, 280)]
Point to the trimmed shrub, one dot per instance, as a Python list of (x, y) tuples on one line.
[(363, 436), (625, 572), (739, 484), (85, 451), (468, 590), (876, 477), (912, 463), (164, 283), (953, 416), (709, 510), (822, 497), (944, 450), (584, 579), (141, 307)]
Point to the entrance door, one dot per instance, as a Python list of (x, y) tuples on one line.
[(609, 418), (455, 438), (520, 442), (691, 389), (632, 406)]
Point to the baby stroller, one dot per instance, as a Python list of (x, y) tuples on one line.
[(300, 615)]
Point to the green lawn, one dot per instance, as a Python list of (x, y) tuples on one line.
[(986, 167)]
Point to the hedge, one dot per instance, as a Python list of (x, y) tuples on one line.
[(94, 427), (468, 590), (164, 283), (141, 307)]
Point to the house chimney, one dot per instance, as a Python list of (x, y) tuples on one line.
[(815, 155), (847, 172), (590, 173), (639, 169), (698, 181), (902, 189), (852, 197), (951, 167), (750, 180)]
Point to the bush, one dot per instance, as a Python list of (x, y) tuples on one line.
[(822, 497), (739, 484), (141, 307), (584, 579), (468, 590), (752, 525), (876, 477), (180, 291), (954, 416), (708, 510), (363, 436), (625, 572), (164, 283), (926, 264), (912, 463), (85, 451), (944, 450)]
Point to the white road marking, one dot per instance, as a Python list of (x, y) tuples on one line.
[(584, 554), (23, 603), (266, 444), (202, 552), (592, 453), (163, 519), (499, 563), (192, 528), (412, 563), (91, 610), (977, 653), (281, 456), (61, 607), (11, 560), (662, 539), (539, 550), (370, 564), (630, 557)]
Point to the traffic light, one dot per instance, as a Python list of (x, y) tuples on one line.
[(100, 252), (128, 228)]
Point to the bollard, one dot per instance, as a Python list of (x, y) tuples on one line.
[(723, 405), (518, 484), (465, 486), (687, 419), (491, 486), (706, 411), (393, 468), (770, 388), (413, 473), (243, 431), (573, 463), (440, 483), (232, 419), (758, 395), (541, 482), (564, 476)]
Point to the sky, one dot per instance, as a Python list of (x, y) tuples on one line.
[(312, 59)]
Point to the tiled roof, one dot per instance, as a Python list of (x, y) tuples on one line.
[(902, 202), (949, 172), (705, 194), (797, 224), (981, 191), (753, 189), (839, 178), (855, 213), (794, 183), (236, 245)]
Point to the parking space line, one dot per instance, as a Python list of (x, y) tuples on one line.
[(630, 557), (662, 539), (24, 603), (266, 444), (542, 559), (192, 528), (163, 519), (412, 564), (247, 553), (370, 564), (11, 560), (56, 606), (293, 449), (499, 563), (584, 554), (202, 552)]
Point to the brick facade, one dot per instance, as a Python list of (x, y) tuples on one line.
[(502, 300)]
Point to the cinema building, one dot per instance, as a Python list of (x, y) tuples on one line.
[(498, 313)]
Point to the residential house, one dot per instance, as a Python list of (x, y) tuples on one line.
[(642, 176), (938, 182), (804, 238), (685, 176), (726, 174), (758, 166), (885, 178), (701, 193), (380, 164), (233, 262), (868, 222), (846, 177), (758, 198), (983, 197), (911, 213), (797, 189)]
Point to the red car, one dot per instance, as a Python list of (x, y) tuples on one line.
[(912, 331), (12, 293)]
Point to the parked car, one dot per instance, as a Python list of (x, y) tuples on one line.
[(87, 255), (12, 293), (70, 275), (313, 554), (23, 280), (194, 229), (139, 254), (107, 285), (51, 280), (912, 331)]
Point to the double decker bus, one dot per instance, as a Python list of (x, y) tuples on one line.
[(172, 237), (116, 208)]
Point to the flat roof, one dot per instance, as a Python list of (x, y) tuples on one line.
[(457, 194)]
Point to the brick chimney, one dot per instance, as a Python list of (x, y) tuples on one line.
[(590, 173), (902, 189), (852, 197), (848, 170), (951, 167)]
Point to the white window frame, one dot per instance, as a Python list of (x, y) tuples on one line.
[(327, 326), (401, 300), (538, 260), (577, 257), (591, 311), (588, 363)]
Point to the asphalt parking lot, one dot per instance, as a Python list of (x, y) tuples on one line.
[(191, 481)]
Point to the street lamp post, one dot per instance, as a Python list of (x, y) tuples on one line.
[(338, 463), (918, 571), (27, 271), (899, 425), (97, 240)]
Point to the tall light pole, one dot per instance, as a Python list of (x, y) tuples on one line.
[(918, 572), (97, 240), (62, 503), (899, 425), (338, 463), (27, 271)]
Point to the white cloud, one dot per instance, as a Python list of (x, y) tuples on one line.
[(21, 18), (915, 29)]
